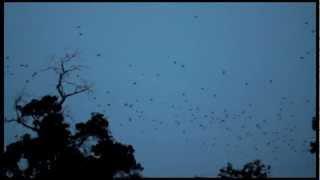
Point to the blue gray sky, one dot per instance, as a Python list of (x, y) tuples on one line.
[(191, 86)]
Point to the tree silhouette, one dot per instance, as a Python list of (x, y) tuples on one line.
[(55, 152), (313, 144), (254, 169)]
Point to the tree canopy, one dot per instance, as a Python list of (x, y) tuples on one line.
[(56, 152), (313, 144), (53, 151), (254, 169)]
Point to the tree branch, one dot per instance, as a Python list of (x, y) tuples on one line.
[(19, 119), (63, 72)]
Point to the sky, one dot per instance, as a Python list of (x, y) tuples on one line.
[(191, 86)]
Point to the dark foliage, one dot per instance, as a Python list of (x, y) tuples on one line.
[(254, 169), (313, 144), (57, 153)]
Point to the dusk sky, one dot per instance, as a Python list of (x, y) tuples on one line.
[(191, 86)]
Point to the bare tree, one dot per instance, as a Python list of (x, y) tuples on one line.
[(67, 86)]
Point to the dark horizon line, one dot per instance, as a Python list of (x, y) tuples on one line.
[(188, 1), (203, 177)]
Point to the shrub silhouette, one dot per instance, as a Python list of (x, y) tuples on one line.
[(57, 153), (313, 144), (254, 169)]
